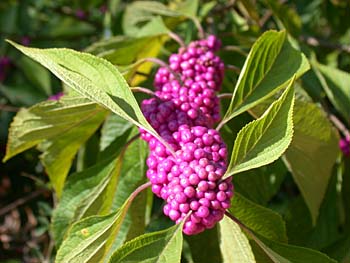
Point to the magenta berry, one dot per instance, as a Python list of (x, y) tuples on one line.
[(344, 145)]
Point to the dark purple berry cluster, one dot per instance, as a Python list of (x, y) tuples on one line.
[(183, 112), (5, 63), (344, 145)]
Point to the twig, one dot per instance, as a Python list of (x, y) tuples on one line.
[(131, 141), (40, 182), (222, 123), (340, 126), (143, 90), (225, 96), (265, 18), (21, 201), (199, 27), (177, 38), (139, 189), (315, 42), (336, 122), (233, 68), (50, 247), (8, 108), (235, 49)]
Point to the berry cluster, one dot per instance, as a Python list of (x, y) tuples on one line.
[(344, 145), (183, 112), (200, 72)]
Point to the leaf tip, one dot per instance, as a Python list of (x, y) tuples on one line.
[(12, 43)]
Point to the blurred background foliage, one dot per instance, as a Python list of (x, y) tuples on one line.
[(320, 28)]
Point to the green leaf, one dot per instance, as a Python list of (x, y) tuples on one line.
[(38, 75), (163, 247), (326, 230), (122, 50), (346, 192), (22, 94), (113, 127), (264, 140), (85, 193), (340, 250), (132, 174), (69, 27), (271, 251), (88, 154), (234, 244), (90, 239), (205, 246), (261, 184), (154, 27), (297, 216), (265, 71), (127, 52), (137, 213), (336, 84), (60, 127), (288, 16), (139, 12), (263, 221), (205, 8), (187, 8), (312, 153), (94, 78)]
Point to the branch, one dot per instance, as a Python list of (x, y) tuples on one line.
[(139, 189), (21, 201), (315, 42), (340, 126), (199, 27), (143, 90), (336, 122), (177, 38), (8, 108), (235, 49), (225, 96), (233, 68)]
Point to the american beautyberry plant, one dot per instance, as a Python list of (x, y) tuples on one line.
[(183, 139)]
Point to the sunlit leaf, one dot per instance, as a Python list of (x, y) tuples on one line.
[(262, 220), (264, 140), (59, 128), (336, 84), (90, 239), (158, 247), (94, 78), (234, 244), (265, 72)]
